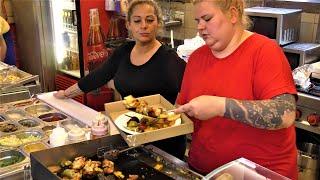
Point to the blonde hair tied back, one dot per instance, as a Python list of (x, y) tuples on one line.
[(152, 3), (225, 5)]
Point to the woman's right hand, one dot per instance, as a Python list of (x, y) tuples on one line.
[(60, 94)]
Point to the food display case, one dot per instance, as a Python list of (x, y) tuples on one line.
[(25, 127)]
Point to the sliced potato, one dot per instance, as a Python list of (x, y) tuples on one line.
[(173, 117)]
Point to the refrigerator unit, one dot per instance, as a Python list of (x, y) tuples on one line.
[(62, 40)]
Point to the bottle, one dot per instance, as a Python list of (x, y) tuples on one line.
[(99, 127), (97, 52), (109, 5), (58, 137), (69, 20), (65, 16)]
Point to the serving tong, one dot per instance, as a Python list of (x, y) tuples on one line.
[(112, 153)]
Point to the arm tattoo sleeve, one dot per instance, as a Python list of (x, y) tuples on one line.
[(265, 114)]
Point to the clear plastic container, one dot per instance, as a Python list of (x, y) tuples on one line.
[(243, 169)]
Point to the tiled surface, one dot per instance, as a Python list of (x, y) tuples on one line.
[(316, 19), (306, 32), (309, 27), (189, 20), (308, 18), (190, 33)]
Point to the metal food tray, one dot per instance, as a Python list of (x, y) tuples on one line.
[(15, 114), (34, 132), (3, 65), (38, 109), (38, 124), (24, 77), (19, 128), (24, 147), (14, 168)]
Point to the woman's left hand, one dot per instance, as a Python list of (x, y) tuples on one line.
[(204, 107)]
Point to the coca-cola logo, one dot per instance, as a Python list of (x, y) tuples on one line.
[(98, 55)]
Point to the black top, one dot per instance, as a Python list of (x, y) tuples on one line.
[(162, 74)]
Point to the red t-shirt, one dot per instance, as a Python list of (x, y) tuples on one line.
[(256, 70)]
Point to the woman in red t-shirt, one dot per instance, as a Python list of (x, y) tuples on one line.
[(239, 92)]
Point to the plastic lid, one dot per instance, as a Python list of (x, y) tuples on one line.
[(76, 134)]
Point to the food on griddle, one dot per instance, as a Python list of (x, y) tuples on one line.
[(91, 168), (108, 166), (65, 163), (71, 174), (8, 127), (85, 168), (118, 174), (79, 162), (158, 166), (54, 169), (133, 177)]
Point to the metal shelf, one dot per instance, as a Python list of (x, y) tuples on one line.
[(172, 23), (70, 30), (74, 73), (302, 123), (69, 5), (305, 126)]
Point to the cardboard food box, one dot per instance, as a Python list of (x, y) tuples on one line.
[(115, 109)]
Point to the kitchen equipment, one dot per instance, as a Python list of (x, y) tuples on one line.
[(299, 54), (114, 153), (280, 24), (140, 160), (11, 76), (308, 161), (14, 94)]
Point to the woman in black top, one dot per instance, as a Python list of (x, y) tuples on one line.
[(140, 68)]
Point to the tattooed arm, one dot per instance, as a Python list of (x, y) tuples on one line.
[(276, 113), (272, 114)]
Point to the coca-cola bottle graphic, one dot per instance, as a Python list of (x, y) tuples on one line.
[(97, 52)]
